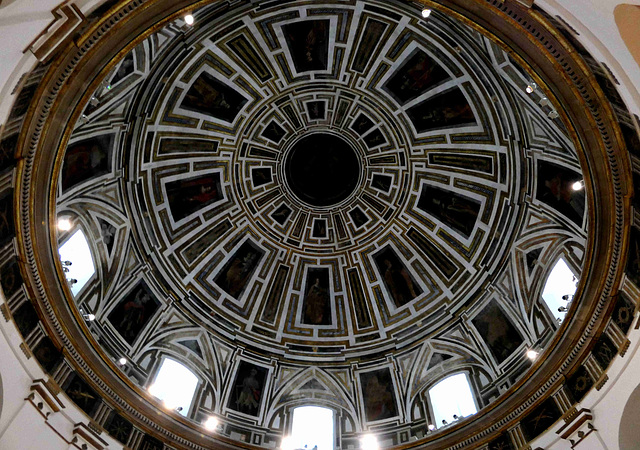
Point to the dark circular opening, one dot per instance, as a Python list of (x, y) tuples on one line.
[(322, 169)]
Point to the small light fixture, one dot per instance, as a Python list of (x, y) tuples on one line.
[(189, 20), (578, 185), (122, 361), (426, 12), (532, 354), (211, 424), (431, 427), (531, 87), (562, 309), (89, 317), (544, 101), (64, 224), (553, 114), (369, 442), (455, 417)]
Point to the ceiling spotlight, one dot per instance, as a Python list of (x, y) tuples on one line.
[(64, 224), (89, 317), (369, 442), (211, 423), (431, 427), (426, 12), (553, 114), (531, 87), (532, 354), (562, 309), (544, 101), (122, 361), (189, 19), (578, 185)]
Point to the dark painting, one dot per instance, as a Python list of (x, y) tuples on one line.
[(359, 217), (248, 386), (235, 275), (82, 395), (371, 39), (555, 189), (381, 182), (397, 279), (210, 96), (261, 176), (274, 132), (503, 442), (579, 384), (623, 313), (374, 139), (7, 230), (457, 211), (317, 110), (26, 318), (633, 260), (308, 43), (604, 351), (378, 394), (118, 427), (189, 196), (317, 298), (281, 214), (417, 74), (10, 278), (87, 159), (8, 147), (319, 229), (170, 146), (497, 331), (362, 124), (248, 54), (445, 110), (151, 443), (47, 354), (133, 312), (540, 419)]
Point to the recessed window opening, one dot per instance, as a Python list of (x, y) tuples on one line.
[(76, 250), (559, 289), (452, 397), (312, 428), (175, 385)]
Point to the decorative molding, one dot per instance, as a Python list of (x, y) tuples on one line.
[(68, 19), (44, 399), (578, 428)]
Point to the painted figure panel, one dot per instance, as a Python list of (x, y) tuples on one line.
[(397, 279), (87, 159), (415, 76), (133, 312), (308, 43), (555, 189), (248, 387), (235, 275), (207, 95), (186, 197), (446, 110), (317, 297), (378, 394), (497, 331), (457, 211)]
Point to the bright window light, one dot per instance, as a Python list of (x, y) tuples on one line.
[(561, 283), (76, 249), (312, 425), (175, 385), (452, 396)]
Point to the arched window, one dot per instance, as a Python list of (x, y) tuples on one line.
[(559, 288), (312, 428), (452, 396), (76, 250), (175, 385)]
